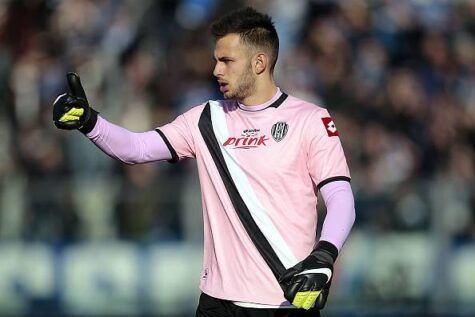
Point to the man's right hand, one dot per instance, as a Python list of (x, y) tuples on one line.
[(71, 110)]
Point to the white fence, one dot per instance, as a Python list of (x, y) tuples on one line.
[(374, 272)]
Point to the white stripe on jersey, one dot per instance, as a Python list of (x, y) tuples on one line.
[(249, 197)]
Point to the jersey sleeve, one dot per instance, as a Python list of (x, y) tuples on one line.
[(178, 135), (326, 159)]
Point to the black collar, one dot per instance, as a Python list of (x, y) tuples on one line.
[(275, 104)]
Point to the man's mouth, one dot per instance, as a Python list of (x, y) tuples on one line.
[(223, 86)]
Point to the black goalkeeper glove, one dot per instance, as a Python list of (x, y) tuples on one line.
[(308, 282), (71, 110)]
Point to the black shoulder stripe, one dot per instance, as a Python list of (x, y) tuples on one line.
[(256, 235), (175, 157), (333, 179)]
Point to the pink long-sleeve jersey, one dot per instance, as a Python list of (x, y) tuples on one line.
[(259, 169)]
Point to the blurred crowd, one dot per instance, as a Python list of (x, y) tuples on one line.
[(398, 78)]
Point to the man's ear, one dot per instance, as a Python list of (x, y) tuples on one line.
[(260, 63)]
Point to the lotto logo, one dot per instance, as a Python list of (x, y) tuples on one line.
[(330, 126)]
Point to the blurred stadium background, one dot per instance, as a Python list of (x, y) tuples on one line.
[(81, 234)]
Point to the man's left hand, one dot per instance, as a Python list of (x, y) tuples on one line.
[(309, 281)]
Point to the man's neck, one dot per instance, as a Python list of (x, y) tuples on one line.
[(264, 92)]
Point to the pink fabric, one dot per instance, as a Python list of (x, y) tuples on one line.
[(340, 216), (280, 177), (127, 146)]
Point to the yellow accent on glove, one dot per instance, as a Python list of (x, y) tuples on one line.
[(306, 299), (72, 115)]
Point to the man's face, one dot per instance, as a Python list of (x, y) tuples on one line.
[(233, 68)]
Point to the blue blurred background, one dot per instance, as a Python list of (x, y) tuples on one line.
[(81, 234)]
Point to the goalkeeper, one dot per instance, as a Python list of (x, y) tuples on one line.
[(262, 156)]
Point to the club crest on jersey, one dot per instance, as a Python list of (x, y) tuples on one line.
[(330, 126), (279, 130)]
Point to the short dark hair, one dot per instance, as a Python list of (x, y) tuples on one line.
[(254, 28)]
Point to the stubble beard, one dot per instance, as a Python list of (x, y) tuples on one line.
[(244, 88)]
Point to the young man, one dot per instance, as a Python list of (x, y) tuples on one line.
[(261, 156)]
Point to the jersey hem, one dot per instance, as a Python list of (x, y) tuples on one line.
[(263, 306), (235, 298)]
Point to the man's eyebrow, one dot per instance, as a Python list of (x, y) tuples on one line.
[(222, 58)]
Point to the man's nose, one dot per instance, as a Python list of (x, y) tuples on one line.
[(217, 70)]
